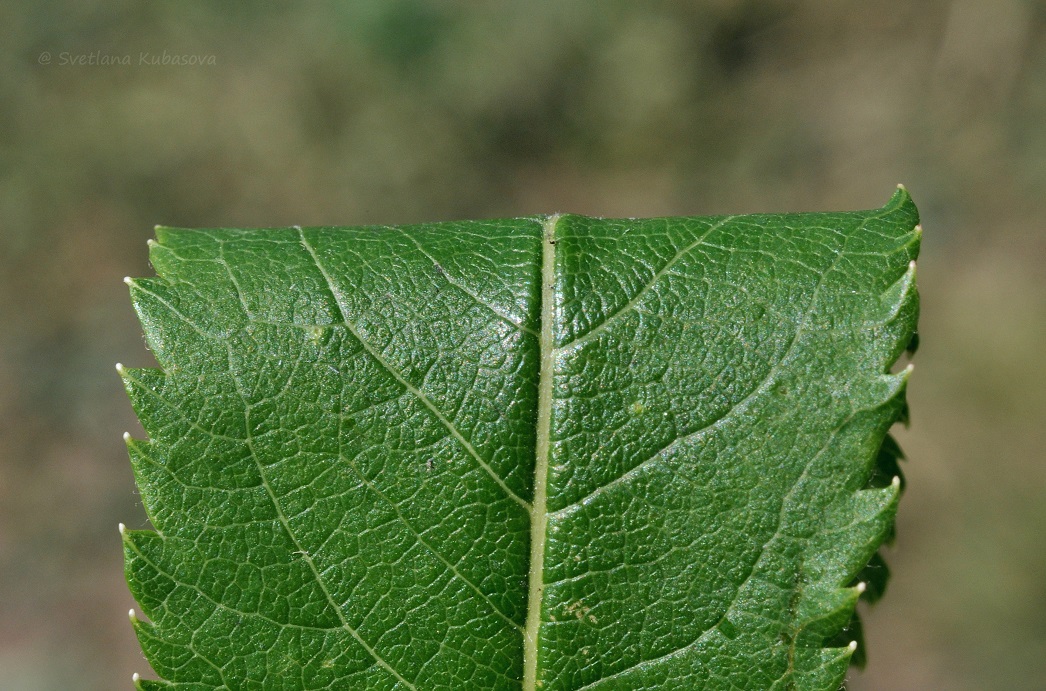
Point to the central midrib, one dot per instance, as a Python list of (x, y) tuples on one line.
[(538, 509)]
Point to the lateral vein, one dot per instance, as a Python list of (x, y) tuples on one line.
[(591, 333), (415, 391), (457, 284), (284, 521)]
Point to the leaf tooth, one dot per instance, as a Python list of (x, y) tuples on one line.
[(874, 576), (152, 685), (851, 532), (128, 536), (881, 390), (145, 387), (179, 326), (136, 379), (163, 260), (899, 380), (898, 298), (161, 652), (902, 293), (856, 646), (135, 543), (819, 667), (901, 203), (822, 611), (144, 561), (871, 504), (182, 246), (145, 285), (142, 462), (899, 197), (154, 305), (141, 627)]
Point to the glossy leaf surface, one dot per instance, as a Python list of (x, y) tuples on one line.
[(555, 453)]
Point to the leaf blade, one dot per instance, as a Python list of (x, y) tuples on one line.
[(344, 468)]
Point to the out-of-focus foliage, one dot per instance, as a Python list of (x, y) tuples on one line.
[(396, 111)]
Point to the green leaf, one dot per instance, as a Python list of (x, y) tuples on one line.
[(555, 453)]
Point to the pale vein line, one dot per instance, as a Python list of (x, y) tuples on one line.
[(153, 631), (539, 512), (134, 283), (645, 289), (307, 558), (635, 470), (402, 380), (127, 375), (451, 280), (403, 519), (299, 548), (221, 605)]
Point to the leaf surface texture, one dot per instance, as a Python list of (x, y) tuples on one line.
[(543, 453)]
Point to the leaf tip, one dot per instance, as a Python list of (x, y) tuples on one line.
[(120, 368), (128, 280), (861, 587), (132, 616), (123, 530), (852, 647)]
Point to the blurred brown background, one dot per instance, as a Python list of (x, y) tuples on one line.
[(396, 111)]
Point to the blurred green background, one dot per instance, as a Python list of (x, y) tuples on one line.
[(393, 111)]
